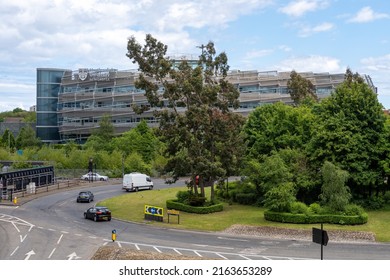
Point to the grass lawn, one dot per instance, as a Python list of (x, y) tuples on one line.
[(130, 206)]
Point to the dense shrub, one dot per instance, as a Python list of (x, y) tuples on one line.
[(315, 208), (353, 209), (280, 198), (372, 203), (299, 208), (174, 204), (245, 198), (183, 196), (386, 197), (315, 219)]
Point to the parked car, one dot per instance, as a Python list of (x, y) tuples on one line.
[(98, 213), (94, 177), (85, 196)]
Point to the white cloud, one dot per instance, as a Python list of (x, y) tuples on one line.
[(257, 54), (92, 33), (310, 30), (366, 14), (300, 7), (285, 48), (381, 63), (314, 63)]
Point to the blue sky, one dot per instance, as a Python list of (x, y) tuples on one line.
[(264, 35)]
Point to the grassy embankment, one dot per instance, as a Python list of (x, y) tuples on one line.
[(130, 206)]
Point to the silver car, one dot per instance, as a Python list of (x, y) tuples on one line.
[(93, 176)]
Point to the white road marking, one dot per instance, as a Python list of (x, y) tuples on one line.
[(22, 238), (219, 247), (29, 254), (59, 240), (232, 239), (14, 251), (155, 248), (51, 254), (222, 257), (177, 251), (244, 257), (16, 227), (199, 255)]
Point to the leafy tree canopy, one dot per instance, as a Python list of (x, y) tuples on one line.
[(197, 99), (300, 89)]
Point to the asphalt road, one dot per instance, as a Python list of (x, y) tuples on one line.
[(53, 228)]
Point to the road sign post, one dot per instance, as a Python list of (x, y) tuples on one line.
[(173, 212), (320, 236)]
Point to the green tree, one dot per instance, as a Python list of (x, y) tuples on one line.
[(8, 140), (27, 138), (277, 126), (279, 199), (349, 130), (141, 139), (198, 98), (334, 193), (101, 136), (300, 89)]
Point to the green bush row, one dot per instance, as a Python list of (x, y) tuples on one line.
[(315, 218), (174, 204)]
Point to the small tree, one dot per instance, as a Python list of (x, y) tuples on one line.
[(335, 194), (27, 138), (300, 89), (280, 198)]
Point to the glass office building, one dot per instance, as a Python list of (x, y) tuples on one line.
[(48, 87), (70, 103)]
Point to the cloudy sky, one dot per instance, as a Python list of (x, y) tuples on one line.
[(304, 35)]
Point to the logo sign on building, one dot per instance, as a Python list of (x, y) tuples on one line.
[(154, 213), (83, 74)]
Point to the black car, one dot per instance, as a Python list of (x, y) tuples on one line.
[(98, 213), (85, 196)]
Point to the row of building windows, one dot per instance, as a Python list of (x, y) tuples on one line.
[(132, 90)]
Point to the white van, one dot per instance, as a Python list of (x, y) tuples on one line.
[(136, 181)]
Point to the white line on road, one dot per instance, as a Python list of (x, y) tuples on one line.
[(22, 238), (51, 254), (222, 257), (16, 227), (244, 257), (14, 251), (178, 252), (219, 247), (199, 255), (155, 248), (232, 239), (59, 240)]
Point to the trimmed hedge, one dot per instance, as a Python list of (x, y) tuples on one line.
[(315, 218), (174, 204)]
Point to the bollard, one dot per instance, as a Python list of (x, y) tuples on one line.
[(113, 235), (15, 200)]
